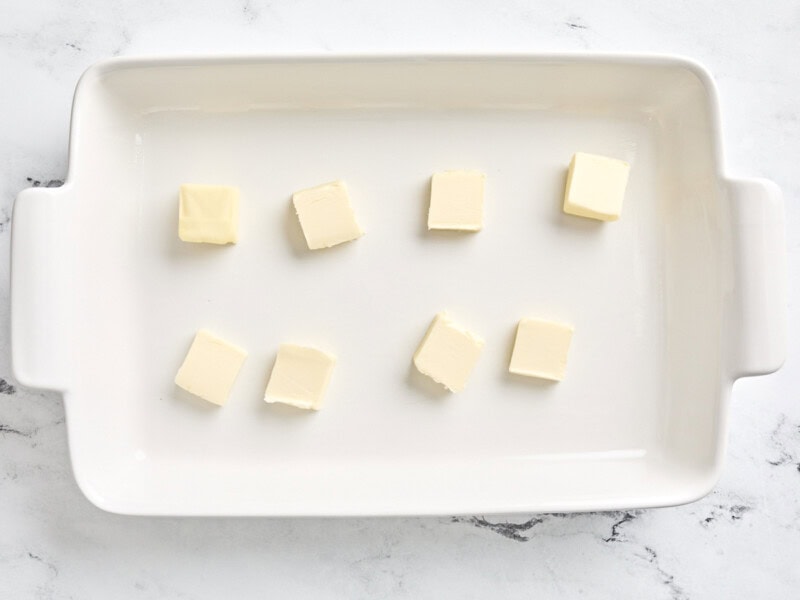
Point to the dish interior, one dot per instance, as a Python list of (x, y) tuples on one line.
[(636, 422)]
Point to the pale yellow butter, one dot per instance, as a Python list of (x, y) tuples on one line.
[(300, 377), (208, 213), (596, 186), (540, 349), (456, 201), (326, 216), (448, 353), (210, 368)]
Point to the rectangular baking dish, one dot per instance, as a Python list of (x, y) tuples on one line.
[(670, 304)]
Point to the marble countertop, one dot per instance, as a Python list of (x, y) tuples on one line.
[(742, 541)]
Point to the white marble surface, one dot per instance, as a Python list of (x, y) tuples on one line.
[(742, 541)]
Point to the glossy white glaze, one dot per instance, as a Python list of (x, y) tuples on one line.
[(104, 295)]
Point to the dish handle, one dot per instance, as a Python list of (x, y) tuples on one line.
[(40, 289), (758, 317)]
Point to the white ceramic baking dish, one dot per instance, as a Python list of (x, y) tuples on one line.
[(670, 304)]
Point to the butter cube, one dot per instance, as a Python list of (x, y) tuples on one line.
[(208, 213), (210, 368), (456, 201), (326, 216), (300, 377), (540, 349), (596, 186), (448, 353)]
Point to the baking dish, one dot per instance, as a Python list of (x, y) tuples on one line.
[(670, 305)]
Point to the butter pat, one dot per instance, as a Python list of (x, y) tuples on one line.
[(596, 186), (210, 368), (208, 213), (456, 201), (540, 349), (326, 216), (300, 377), (448, 353)]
